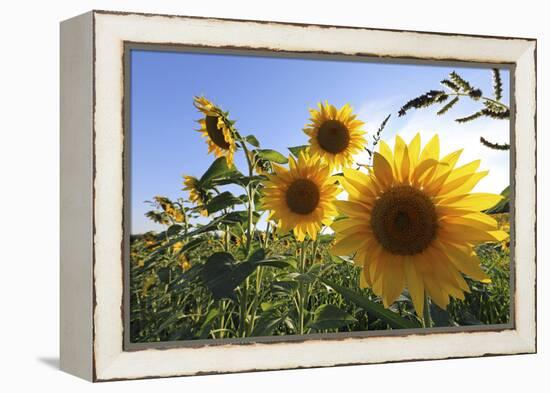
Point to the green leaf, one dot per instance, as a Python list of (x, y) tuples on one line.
[(230, 218), (216, 170), (284, 287), (164, 274), (297, 149), (275, 262), (192, 244), (375, 309), (448, 106), (328, 316), (207, 323), (440, 317), (268, 322), (272, 155), (258, 258), (252, 140), (221, 274), (497, 84), (470, 117), (504, 205), (174, 230), (222, 201), (460, 82)]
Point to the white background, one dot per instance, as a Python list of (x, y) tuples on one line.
[(29, 196)]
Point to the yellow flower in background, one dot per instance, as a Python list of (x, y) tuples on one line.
[(414, 223), (215, 128), (335, 134), (196, 194), (184, 262), (148, 283), (301, 198), (176, 247), (190, 183), (503, 220), (169, 208)]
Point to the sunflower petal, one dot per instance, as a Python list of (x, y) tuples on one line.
[(382, 170), (415, 284)]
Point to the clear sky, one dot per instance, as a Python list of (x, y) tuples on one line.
[(270, 97)]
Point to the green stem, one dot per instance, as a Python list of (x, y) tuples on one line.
[(301, 292), (249, 234), (250, 194), (482, 98), (427, 317)]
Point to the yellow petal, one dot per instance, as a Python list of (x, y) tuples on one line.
[(385, 151), (431, 150), (350, 209), (462, 185), (414, 150), (415, 284), (382, 170), (466, 261), (394, 281), (349, 244)]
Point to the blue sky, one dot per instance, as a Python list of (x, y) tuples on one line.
[(270, 97)]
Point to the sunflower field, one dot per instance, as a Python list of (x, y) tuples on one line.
[(311, 241)]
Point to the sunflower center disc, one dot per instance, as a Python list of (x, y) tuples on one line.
[(215, 133), (302, 196), (404, 220), (333, 136)]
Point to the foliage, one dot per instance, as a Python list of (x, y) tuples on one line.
[(456, 87)]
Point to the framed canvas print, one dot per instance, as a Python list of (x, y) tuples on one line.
[(246, 195)]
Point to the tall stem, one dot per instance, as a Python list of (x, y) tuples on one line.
[(301, 292), (482, 98), (249, 234), (427, 317)]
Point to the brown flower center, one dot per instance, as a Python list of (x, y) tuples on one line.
[(333, 136), (215, 133), (302, 196), (404, 220)]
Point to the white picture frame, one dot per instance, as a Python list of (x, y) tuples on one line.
[(92, 194)]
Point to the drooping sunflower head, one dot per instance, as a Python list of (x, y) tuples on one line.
[(197, 195), (301, 198), (335, 134), (184, 262), (414, 222), (216, 129), (171, 211)]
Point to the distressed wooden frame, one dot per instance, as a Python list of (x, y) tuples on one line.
[(93, 49)]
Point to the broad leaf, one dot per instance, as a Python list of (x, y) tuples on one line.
[(252, 140), (268, 322), (174, 230), (297, 149), (216, 170), (328, 316), (372, 308), (222, 201), (164, 275), (207, 323), (272, 155), (504, 205), (221, 274)]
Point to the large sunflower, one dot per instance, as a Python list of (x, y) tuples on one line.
[(335, 134), (414, 223), (301, 199), (215, 127)]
